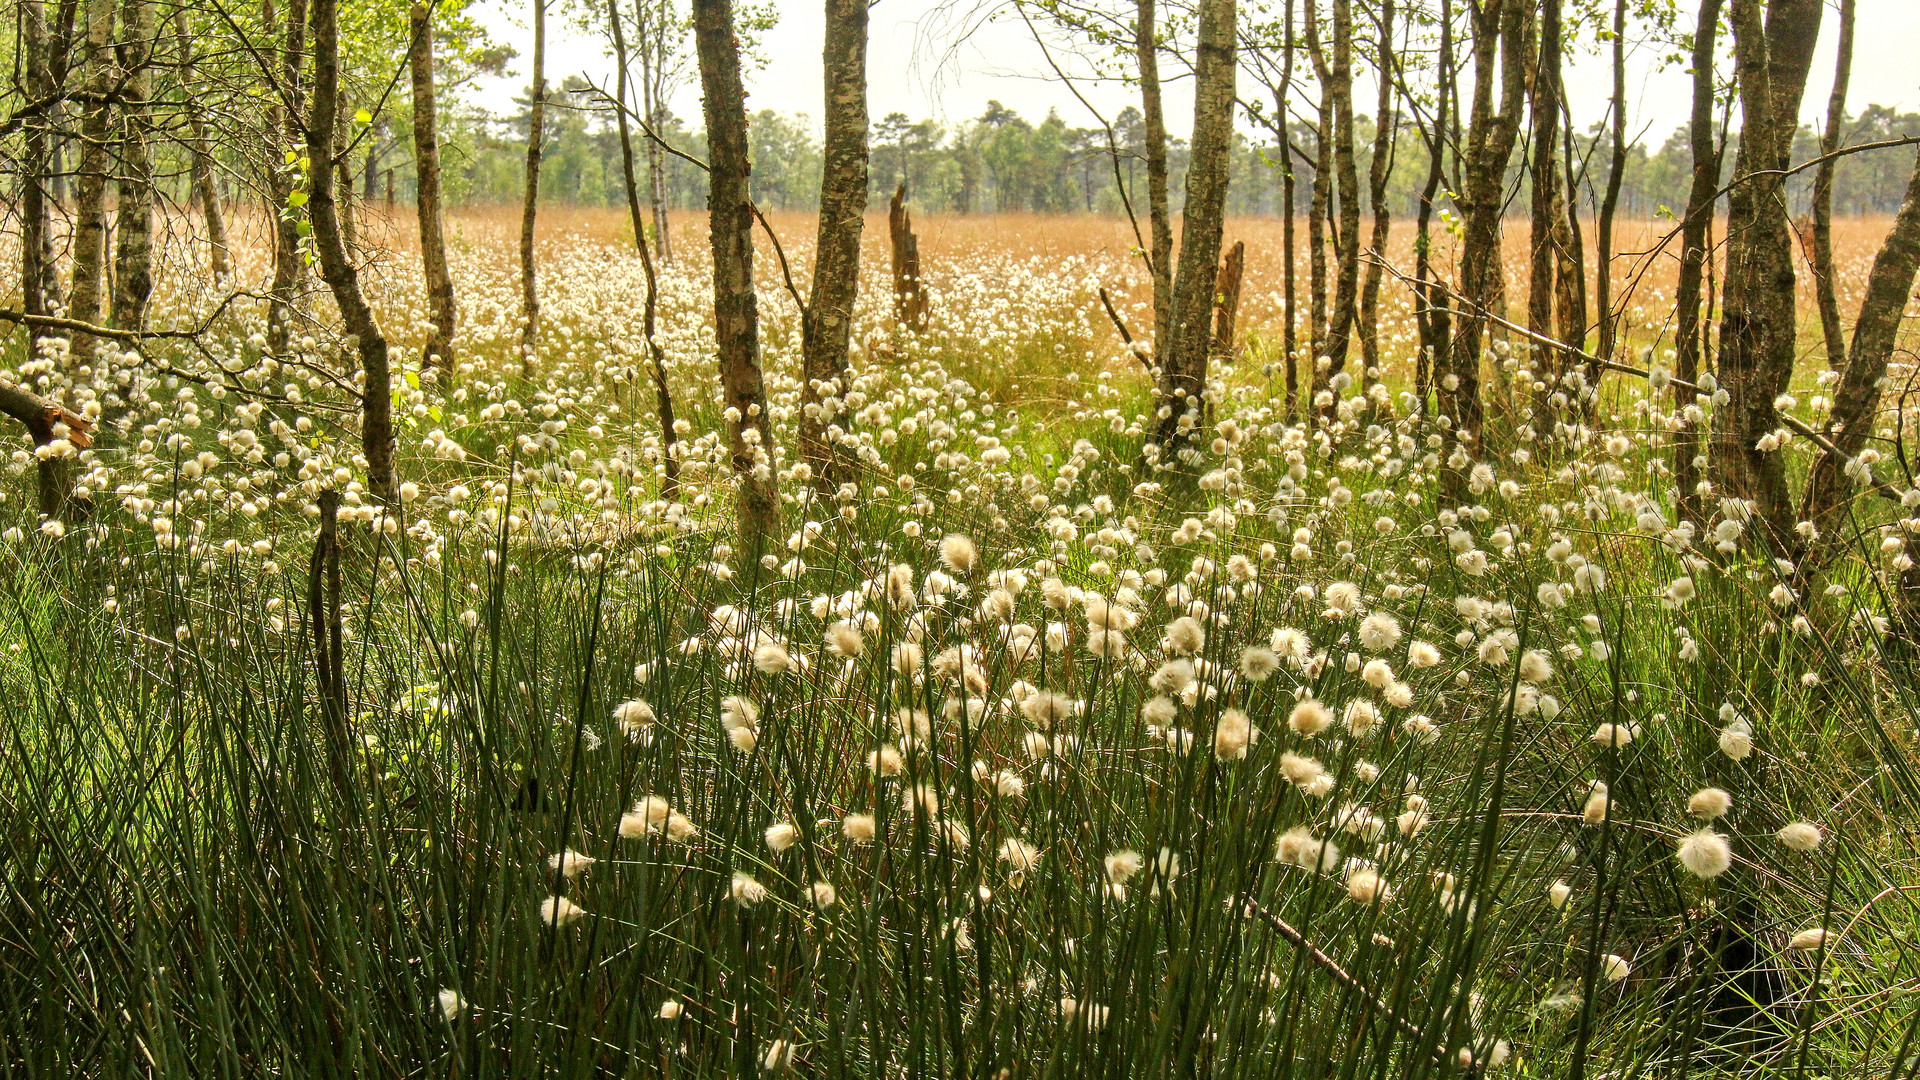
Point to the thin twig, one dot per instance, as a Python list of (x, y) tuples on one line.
[(785, 272), (1340, 974)]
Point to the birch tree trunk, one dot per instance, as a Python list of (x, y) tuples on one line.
[(1146, 49), (1384, 124), (828, 321), (1346, 240), (1610, 203), (663, 396), (1856, 402), (438, 352), (289, 114), (1290, 332), (1544, 173), (736, 316), (1688, 328), (1757, 323), (1823, 284), (133, 252), (1183, 378), (38, 271), (1430, 303), (356, 316), (536, 134), (89, 243), (205, 191), (1498, 29)]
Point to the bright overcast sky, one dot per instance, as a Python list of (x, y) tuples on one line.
[(928, 61)]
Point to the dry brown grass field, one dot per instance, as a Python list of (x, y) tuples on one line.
[(953, 245)]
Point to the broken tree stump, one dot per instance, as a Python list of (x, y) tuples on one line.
[(909, 296)]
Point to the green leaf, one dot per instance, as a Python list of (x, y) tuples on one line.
[(298, 198), (362, 116), (434, 411), (413, 380)]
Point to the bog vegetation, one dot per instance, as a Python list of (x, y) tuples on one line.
[(1472, 638)]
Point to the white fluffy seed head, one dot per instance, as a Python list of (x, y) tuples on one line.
[(1710, 803), (1705, 854), (1800, 836)]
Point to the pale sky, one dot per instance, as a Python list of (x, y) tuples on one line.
[(927, 59)]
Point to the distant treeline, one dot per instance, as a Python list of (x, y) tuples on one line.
[(1001, 161)]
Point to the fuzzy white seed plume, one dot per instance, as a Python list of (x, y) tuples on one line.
[(1800, 836), (1705, 854)]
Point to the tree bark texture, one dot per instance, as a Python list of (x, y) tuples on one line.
[(1146, 48), (89, 243), (1694, 253), (356, 316), (133, 250), (1384, 125), (1823, 283), (909, 297), (536, 136), (827, 324), (736, 316), (206, 191), (438, 351), (1856, 402), (1757, 323), (1498, 28), (290, 111), (1183, 376)]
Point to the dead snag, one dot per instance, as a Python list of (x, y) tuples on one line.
[(1226, 297), (909, 297)]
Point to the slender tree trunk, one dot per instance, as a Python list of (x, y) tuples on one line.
[(1291, 332), (1183, 378), (653, 44), (1146, 48), (663, 396), (205, 191), (426, 160), (289, 116), (736, 316), (1384, 125), (1319, 207), (1823, 283), (89, 243), (1545, 172), (1694, 253), (1609, 205), (1430, 314), (38, 272), (1570, 275), (1856, 403), (828, 323), (343, 188), (1337, 82), (536, 136), (376, 415), (1498, 29), (1757, 326), (133, 254)]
